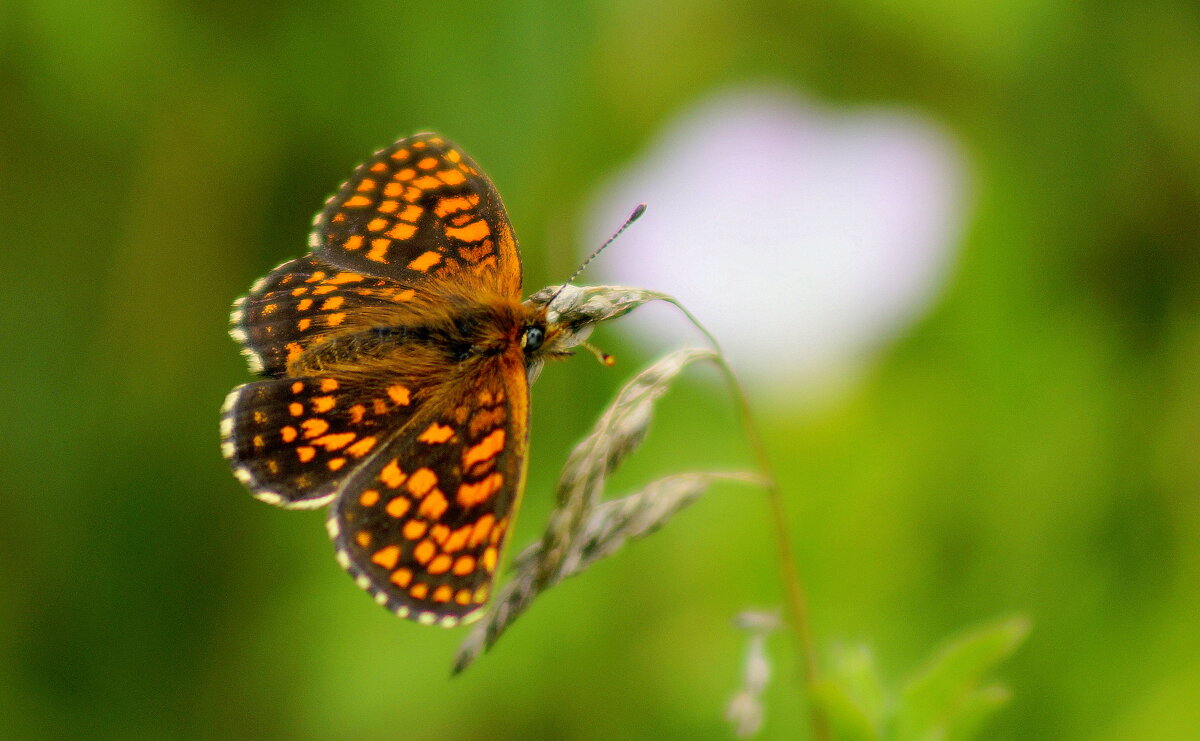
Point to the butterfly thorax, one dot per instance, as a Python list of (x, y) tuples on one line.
[(429, 342)]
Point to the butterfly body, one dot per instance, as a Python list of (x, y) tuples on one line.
[(395, 360)]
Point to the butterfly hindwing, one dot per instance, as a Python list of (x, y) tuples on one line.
[(417, 209), (291, 441), (423, 526)]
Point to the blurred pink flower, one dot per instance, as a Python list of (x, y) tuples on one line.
[(805, 238)]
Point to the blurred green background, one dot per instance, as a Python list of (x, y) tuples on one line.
[(1029, 447)]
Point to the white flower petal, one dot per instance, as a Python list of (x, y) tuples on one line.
[(805, 238)]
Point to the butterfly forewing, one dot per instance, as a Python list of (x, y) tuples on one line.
[(300, 303), (423, 525), (416, 209)]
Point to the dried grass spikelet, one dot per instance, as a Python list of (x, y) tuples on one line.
[(584, 527)]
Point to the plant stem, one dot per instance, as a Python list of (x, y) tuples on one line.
[(797, 604)]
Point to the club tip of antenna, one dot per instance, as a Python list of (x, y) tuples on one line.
[(637, 212)]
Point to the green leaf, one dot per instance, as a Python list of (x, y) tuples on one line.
[(853, 695), (976, 709), (941, 700)]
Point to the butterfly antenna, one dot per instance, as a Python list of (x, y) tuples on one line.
[(637, 213)]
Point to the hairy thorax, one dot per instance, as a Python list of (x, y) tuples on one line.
[(423, 342)]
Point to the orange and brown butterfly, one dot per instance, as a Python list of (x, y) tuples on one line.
[(395, 359)]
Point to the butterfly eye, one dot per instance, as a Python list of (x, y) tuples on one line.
[(532, 339)]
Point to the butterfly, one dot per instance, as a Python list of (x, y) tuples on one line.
[(395, 359)]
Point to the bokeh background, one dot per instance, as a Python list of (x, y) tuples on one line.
[(1024, 442)]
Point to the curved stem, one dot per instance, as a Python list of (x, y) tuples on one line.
[(797, 604)]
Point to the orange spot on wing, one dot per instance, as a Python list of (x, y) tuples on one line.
[(342, 278), (335, 442), (434, 505), (401, 577), (498, 531), (424, 551), (440, 564), (464, 565), (442, 593), (406, 174), (391, 475), (322, 290), (388, 207), (357, 202), (314, 427), (288, 433), (414, 529), (335, 319), (427, 182), (363, 538), (392, 190), (451, 177), (419, 591), (400, 155), (336, 463), (303, 324), (457, 540), (425, 261), (470, 495), (377, 224), (402, 231), (369, 497), (483, 526), (489, 559), (379, 167), (451, 205), (421, 481), (481, 594), (304, 305), (297, 387), (294, 351), (379, 248), (412, 212), (365, 185), (453, 155), (330, 304), (428, 163), (362, 447), (357, 412), (397, 507), (439, 533), (305, 453), (387, 557), (463, 596), (296, 408), (323, 404), (399, 394), (487, 448), (473, 232), (436, 433)]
